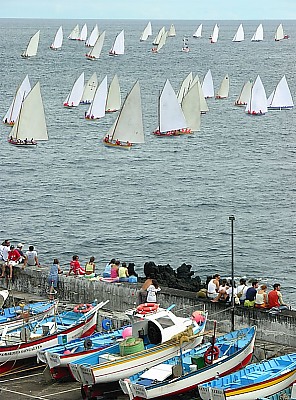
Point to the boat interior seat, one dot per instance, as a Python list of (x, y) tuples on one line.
[(158, 372)]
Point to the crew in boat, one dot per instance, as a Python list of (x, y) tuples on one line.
[(118, 142), (26, 141), (128, 143), (106, 139)]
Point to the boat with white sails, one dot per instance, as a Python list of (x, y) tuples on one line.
[(83, 34), (113, 102), (161, 43), (91, 40), (281, 98), (223, 91), (172, 31), (191, 108), (89, 89), (14, 109), (215, 34), (258, 35), (208, 85), (118, 45), (245, 94), (32, 46), (95, 52), (74, 35), (97, 108), (257, 104), (58, 40), (146, 32), (158, 36), (198, 32), (75, 95), (239, 35)]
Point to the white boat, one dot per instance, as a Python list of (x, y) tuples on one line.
[(171, 119), (223, 91), (257, 105), (95, 51), (30, 125), (97, 108), (185, 47), (281, 97), (245, 94), (75, 95), (279, 33), (83, 34), (146, 32), (89, 89), (198, 32), (161, 43), (258, 35), (208, 85), (58, 39), (74, 35), (214, 37), (240, 34), (158, 36), (32, 47), (185, 85), (191, 108), (90, 42), (118, 45), (172, 31), (14, 109), (113, 102)]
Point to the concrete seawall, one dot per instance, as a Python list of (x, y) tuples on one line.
[(279, 329)]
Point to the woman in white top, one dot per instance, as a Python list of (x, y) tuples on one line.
[(151, 291), (261, 299), (213, 287)]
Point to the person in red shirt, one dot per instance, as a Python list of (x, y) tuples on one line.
[(13, 258), (275, 298), (75, 267)]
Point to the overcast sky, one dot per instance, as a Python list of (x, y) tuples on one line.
[(150, 9)]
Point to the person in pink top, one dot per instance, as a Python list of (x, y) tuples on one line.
[(75, 267), (114, 269)]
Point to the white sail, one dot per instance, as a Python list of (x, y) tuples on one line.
[(223, 91), (257, 104), (31, 123), (158, 36), (14, 109), (97, 108), (114, 96), (146, 32), (128, 127), (279, 34), (58, 39), (202, 101), (95, 52), (83, 34), (215, 34), (32, 47), (171, 116), (89, 89), (258, 35), (74, 35), (245, 94), (191, 108), (240, 34), (281, 97), (184, 87), (90, 42), (198, 32), (118, 45), (75, 95), (208, 85), (172, 31), (161, 43)]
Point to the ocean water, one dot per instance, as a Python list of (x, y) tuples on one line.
[(168, 200)]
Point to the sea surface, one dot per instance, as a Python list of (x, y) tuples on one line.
[(168, 200)]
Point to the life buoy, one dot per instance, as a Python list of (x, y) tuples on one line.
[(83, 308), (147, 308), (211, 354)]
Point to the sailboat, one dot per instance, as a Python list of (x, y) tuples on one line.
[(14, 109), (32, 47), (258, 35), (281, 98), (90, 42), (113, 102), (128, 127), (240, 34), (95, 51), (74, 35), (279, 33), (203, 103), (223, 91), (89, 89), (146, 32), (58, 39), (245, 94), (197, 33), (172, 121), (30, 122), (214, 37), (185, 47), (98, 105), (191, 108), (158, 36), (208, 85), (185, 85), (75, 95), (83, 34), (172, 31), (257, 104), (161, 43), (118, 45)]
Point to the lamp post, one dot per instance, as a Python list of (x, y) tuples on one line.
[(232, 219)]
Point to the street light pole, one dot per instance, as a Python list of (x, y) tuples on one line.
[(232, 219)]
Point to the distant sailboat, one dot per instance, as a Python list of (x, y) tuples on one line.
[(146, 32), (90, 42), (214, 37), (97, 108), (161, 43), (281, 98), (128, 126), (58, 39), (89, 89), (197, 33), (240, 34), (258, 35), (118, 45), (257, 104), (158, 36), (279, 33), (208, 85), (245, 94), (113, 102), (32, 47), (191, 108), (185, 47), (14, 109), (75, 95), (95, 52), (30, 125), (83, 34), (223, 91), (172, 31), (74, 35)]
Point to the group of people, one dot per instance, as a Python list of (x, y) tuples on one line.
[(116, 270), (248, 296)]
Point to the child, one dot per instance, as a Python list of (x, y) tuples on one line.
[(151, 291)]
